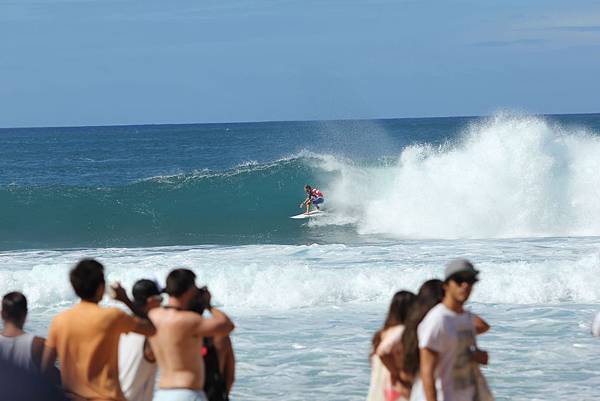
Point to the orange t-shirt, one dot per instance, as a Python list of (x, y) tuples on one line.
[(86, 338)]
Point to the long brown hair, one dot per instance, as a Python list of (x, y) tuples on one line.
[(402, 302), (430, 294)]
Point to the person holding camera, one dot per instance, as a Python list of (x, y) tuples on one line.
[(137, 364), (217, 352), (177, 344)]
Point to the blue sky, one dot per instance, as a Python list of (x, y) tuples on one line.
[(89, 62)]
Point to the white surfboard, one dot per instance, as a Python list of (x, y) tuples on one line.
[(306, 216)]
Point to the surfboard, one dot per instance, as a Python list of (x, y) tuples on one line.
[(306, 216)]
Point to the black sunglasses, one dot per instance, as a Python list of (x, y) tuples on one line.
[(458, 279)]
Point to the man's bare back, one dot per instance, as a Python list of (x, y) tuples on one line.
[(177, 347), (177, 344)]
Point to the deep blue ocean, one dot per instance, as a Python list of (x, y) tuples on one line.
[(215, 183), (518, 194), (183, 184)]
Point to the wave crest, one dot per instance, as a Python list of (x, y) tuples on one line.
[(508, 176)]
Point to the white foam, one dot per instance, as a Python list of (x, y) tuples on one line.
[(281, 277), (509, 176)]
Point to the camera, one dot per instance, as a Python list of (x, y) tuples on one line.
[(201, 301)]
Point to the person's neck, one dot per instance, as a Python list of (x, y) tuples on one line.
[(453, 305), (91, 301), (12, 330), (175, 303)]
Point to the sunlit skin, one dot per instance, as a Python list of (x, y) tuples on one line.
[(177, 344), (456, 294)]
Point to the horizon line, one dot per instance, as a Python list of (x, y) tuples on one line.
[(284, 121)]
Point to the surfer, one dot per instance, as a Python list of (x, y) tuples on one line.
[(313, 197)]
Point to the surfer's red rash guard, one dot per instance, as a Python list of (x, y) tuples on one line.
[(316, 193)]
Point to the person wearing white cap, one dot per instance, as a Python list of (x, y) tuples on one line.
[(447, 343)]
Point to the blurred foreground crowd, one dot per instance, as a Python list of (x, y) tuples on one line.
[(426, 350), (105, 354)]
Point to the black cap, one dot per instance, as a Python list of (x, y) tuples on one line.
[(144, 289)]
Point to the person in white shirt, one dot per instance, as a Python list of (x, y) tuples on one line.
[(17, 346), (447, 340), (137, 366)]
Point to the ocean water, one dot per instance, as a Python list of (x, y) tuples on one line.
[(517, 194)]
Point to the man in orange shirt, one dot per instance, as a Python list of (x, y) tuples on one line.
[(86, 338)]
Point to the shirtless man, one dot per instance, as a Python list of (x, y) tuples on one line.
[(177, 344)]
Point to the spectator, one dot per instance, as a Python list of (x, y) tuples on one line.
[(177, 344), (430, 294), (218, 356), (388, 380), (18, 384), (447, 339), (16, 346), (137, 365), (86, 337)]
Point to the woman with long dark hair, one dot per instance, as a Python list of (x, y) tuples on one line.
[(430, 294), (388, 381)]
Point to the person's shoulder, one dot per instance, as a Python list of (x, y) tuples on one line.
[(188, 320), (64, 320), (393, 332), (154, 312), (468, 314), (115, 314), (434, 318), (112, 311), (173, 316), (389, 338), (190, 316), (436, 312), (64, 316)]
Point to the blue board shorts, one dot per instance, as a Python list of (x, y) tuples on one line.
[(317, 201)]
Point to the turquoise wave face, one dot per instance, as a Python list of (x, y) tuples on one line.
[(245, 205), (503, 177)]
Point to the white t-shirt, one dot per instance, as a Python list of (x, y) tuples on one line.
[(136, 375), (451, 335)]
